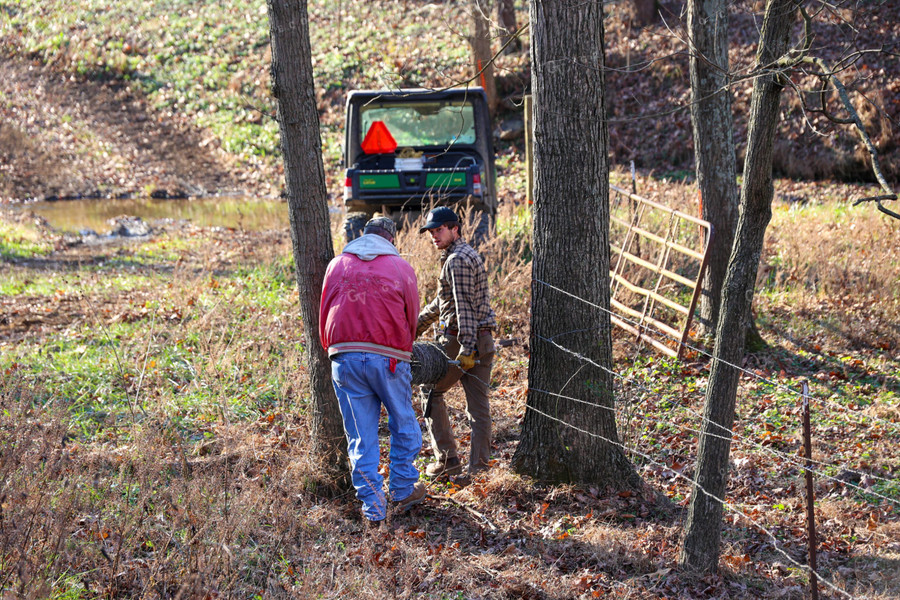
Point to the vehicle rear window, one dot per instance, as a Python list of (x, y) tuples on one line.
[(424, 123)]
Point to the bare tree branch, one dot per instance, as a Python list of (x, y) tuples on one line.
[(824, 95), (490, 62), (877, 200), (829, 77), (855, 119)]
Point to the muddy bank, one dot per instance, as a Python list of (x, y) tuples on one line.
[(66, 137)]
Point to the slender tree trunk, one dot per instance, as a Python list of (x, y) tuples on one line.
[(569, 430), (481, 50), (700, 551), (713, 143), (310, 225), (506, 15), (644, 12)]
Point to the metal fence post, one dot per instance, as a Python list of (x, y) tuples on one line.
[(810, 496)]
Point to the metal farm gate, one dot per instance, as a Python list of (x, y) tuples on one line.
[(658, 259)]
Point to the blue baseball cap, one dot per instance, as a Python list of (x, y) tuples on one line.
[(437, 217)]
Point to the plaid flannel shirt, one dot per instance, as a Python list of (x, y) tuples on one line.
[(463, 298)]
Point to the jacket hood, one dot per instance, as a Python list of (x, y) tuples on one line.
[(370, 246)]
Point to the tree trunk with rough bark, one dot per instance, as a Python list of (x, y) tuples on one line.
[(713, 144), (301, 146), (700, 550), (481, 50), (569, 429)]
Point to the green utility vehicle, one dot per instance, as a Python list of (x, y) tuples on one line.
[(408, 150)]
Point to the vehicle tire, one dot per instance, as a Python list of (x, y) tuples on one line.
[(354, 223), (483, 230)]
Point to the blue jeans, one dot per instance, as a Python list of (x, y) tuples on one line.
[(363, 383)]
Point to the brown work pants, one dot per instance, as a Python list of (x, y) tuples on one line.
[(476, 385)]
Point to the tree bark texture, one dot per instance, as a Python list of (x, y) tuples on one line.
[(307, 205), (569, 430), (700, 551), (481, 50), (713, 144)]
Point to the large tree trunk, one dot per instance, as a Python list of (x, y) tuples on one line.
[(310, 225), (481, 50), (713, 144), (700, 551), (569, 429)]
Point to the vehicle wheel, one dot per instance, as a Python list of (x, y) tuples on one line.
[(483, 230), (354, 223)]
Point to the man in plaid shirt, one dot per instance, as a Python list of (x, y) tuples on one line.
[(466, 320)]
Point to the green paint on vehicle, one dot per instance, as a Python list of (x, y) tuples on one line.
[(379, 182), (445, 180)]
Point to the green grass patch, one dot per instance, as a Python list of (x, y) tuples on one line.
[(679, 176), (20, 242), (104, 375), (156, 252), (268, 286), (192, 348), (69, 587), (85, 371), (165, 249), (55, 283)]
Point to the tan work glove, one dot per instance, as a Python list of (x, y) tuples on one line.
[(466, 361)]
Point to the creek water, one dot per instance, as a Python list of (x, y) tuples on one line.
[(75, 216)]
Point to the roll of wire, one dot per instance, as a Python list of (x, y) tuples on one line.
[(429, 363)]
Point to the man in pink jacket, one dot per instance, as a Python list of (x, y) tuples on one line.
[(369, 311)]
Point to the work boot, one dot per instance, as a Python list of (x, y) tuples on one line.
[(418, 494), (373, 526), (461, 481), (450, 466)]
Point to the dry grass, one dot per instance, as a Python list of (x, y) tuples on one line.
[(168, 457), (850, 253), (153, 429)]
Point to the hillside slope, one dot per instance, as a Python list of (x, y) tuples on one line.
[(62, 137), (172, 98)]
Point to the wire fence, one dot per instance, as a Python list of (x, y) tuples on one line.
[(700, 351), (729, 434), (820, 468), (776, 544), (642, 393)]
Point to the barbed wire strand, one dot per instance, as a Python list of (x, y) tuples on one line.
[(790, 457), (748, 372), (800, 463), (724, 503), (744, 441), (731, 506), (732, 436), (686, 345)]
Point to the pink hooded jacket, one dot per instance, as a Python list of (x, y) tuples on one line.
[(370, 301)]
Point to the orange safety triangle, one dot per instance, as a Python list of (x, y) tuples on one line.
[(379, 140)]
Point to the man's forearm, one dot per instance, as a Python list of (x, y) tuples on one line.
[(429, 314)]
